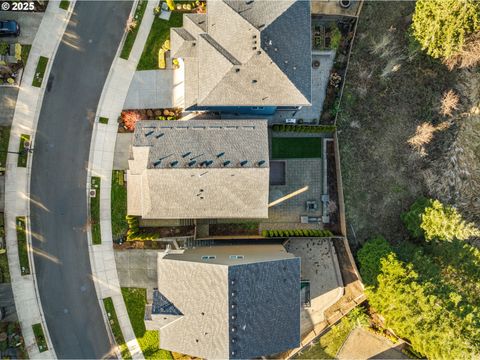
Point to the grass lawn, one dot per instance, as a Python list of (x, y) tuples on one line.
[(22, 245), (119, 205), (64, 4), (95, 211), (23, 156), (4, 271), (103, 120), (159, 32), (329, 344), (40, 71), (25, 52), (4, 138), (117, 331), (132, 35), (40, 337), (296, 148), (135, 300)]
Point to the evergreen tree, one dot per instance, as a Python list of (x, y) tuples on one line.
[(441, 26)]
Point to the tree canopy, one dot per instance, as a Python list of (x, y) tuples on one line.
[(432, 220), (441, 26), (423, 296)]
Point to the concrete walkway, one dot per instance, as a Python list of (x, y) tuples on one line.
[(101, 164), (17, 179)]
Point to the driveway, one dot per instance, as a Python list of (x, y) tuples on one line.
[(59, 175), (29, 23)]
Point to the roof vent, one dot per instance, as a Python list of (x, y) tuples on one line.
[(220, 154), (233, 329), (191, 163), (254, 81), (275, 49), (244, 162), (159, 135), (254, 48), (259, 52), (261, 162), (225, 163), (209, 162), (294, 68), (237, 70), (233, 306), (156, 163), (233, 317), (186, 154), (149, 133), (249, 2), (174, 163)]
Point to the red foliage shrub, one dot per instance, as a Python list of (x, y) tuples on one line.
[(130, 118)]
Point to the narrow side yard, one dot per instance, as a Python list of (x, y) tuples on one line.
[(135, 300)]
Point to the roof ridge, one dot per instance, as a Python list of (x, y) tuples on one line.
[(220, 49)]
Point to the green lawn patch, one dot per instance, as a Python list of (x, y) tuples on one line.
[(132, 35), (23, 155), (4, 271), (103, 120), (25, 52), (40, 337), (159, 32), (40, 71), (119, 205), (4, 138), (64, 4), (135, 300), (22, 245), (296, 147), (117, 331), (95, 211)]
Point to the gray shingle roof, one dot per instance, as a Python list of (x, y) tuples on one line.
[(199, 169), (239, 308), (266, 51)]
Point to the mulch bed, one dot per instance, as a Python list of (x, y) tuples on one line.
[(334, 225), (233, 229)]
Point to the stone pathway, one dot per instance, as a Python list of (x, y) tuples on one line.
[(17, 179), (101, 164)]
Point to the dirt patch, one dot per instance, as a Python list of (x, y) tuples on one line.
[(391, 89)]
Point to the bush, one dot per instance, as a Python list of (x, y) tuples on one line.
[(335, 38), (441, 26), (162, 63), (297, 233), (3, 48), (369, 257), (171, 4)]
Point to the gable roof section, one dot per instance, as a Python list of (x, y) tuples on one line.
[(254, 53), (240, 308)]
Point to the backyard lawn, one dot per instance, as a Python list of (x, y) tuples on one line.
[(135, 300), (119, 205), (296, 147), (159, 32)]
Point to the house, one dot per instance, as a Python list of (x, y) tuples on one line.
[(220, 302), (199, 169), (246, 56)]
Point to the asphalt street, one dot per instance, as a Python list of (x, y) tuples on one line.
[(59, 175)]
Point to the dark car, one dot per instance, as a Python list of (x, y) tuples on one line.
[(9, 28)]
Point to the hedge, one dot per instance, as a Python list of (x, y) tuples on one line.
[(297, 233), (304, 128)]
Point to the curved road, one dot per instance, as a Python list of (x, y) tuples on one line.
[(59, 174)]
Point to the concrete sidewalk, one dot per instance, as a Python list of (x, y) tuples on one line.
[(17, 179), (101, 164)]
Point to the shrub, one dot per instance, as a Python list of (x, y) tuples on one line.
[(171, 4), (162, 64), (335, 38), (18, 52), (3, 48), (369, 258), (130, 118), (441, 26)]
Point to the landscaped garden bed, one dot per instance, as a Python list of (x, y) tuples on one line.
[(159, 33), (116, 329), (304, 128), (23, 150), (40, 337), (64, 4), (119, 206), (95, 210), (128, 118), (334, 35), (135, 232), (135, 301), (333, 209), (247, 228), (12, 345), (296, 148), (132, 28), (103, 120), (22, 245), (40, 71), (11, 55), (4, 139)]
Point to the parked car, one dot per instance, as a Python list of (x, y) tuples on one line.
[(9, 28), (290, 121)]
